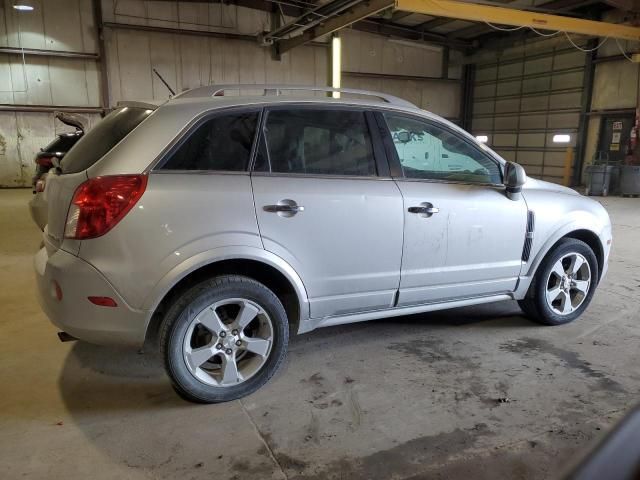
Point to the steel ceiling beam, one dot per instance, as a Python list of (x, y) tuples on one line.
[(355, 14), (310, 19), (549, 7), (508, 16), (625, 5), (561, 6), (380, 27)]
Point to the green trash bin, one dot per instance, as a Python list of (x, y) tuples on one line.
[(630, 180), (599, 179)]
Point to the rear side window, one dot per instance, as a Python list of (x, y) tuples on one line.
[(220, 143), (102, 138), (320, 142)]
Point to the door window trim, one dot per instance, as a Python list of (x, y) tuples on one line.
[(186, 133), (394, 160), (379, 155)]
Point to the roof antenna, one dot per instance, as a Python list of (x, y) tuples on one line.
[(165, 82)]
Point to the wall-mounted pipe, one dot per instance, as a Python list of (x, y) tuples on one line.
[(49, 53), (6, 107), (181, 31)]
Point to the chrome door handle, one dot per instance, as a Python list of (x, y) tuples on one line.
[(284, 208), (425, 208)]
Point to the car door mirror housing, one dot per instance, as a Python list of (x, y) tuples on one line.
[(514, 179)]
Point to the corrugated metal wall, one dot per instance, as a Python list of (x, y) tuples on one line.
[(188, 61), (185, 60), (523, 97), (62, 25)]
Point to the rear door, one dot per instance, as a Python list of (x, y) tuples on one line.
[(462, 237), (326, 204)]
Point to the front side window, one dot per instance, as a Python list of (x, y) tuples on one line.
[(319, 142), (223, 142), (431, 152)]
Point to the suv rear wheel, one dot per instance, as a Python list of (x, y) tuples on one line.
[(564, 284), (223, 339)]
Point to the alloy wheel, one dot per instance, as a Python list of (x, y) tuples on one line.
[(568, 283), (228, 342)]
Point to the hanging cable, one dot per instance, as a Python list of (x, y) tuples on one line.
[(623, 52), (587, 50), (501, 29), (537, 32), (547, 35)]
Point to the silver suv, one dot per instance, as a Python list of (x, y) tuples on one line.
[(219, 224)]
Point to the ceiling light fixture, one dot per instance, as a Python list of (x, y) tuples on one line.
[(23, 8), (561, 138)]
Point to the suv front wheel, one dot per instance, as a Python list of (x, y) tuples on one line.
[(223, 339), (564, 284)]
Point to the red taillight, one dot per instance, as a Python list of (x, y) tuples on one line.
[(100, 203), (103, 301), (45, 161)]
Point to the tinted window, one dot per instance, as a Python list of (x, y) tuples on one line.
[(322, 142), (428, 151), (220, 143), (102, 138), (62, 144)]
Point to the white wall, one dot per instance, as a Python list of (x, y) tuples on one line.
[(364, 53)]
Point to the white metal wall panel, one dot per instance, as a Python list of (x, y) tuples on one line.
[(62, 25)]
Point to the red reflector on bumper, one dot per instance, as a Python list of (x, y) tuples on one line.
[(56, 290), (103, 301)]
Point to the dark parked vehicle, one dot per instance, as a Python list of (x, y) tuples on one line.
[(47, 158)]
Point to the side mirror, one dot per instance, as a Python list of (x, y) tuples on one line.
[(514, 179)]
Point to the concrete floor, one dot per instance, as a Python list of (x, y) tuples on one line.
[(414, 397)]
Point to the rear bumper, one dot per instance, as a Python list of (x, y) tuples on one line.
[(74, 313)]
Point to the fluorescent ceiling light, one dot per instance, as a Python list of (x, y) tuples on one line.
[(23, 8), (336, 64), (561, 138), (482, 138)]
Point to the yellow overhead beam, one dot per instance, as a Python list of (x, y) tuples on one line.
[(476, 12)]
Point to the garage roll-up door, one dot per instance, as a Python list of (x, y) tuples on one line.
[(520, 103)]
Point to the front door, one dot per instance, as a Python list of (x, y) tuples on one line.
[(327, 207), (463, 236), (613, 145)]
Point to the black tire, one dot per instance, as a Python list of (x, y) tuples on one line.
[(194, 300), (535, 305)]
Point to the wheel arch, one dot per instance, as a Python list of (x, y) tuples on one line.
[(259, 265), (591, 238)]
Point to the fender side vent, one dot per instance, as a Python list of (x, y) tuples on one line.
[(528, 239)]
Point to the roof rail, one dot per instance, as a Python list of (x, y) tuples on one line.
[(214, 90)]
